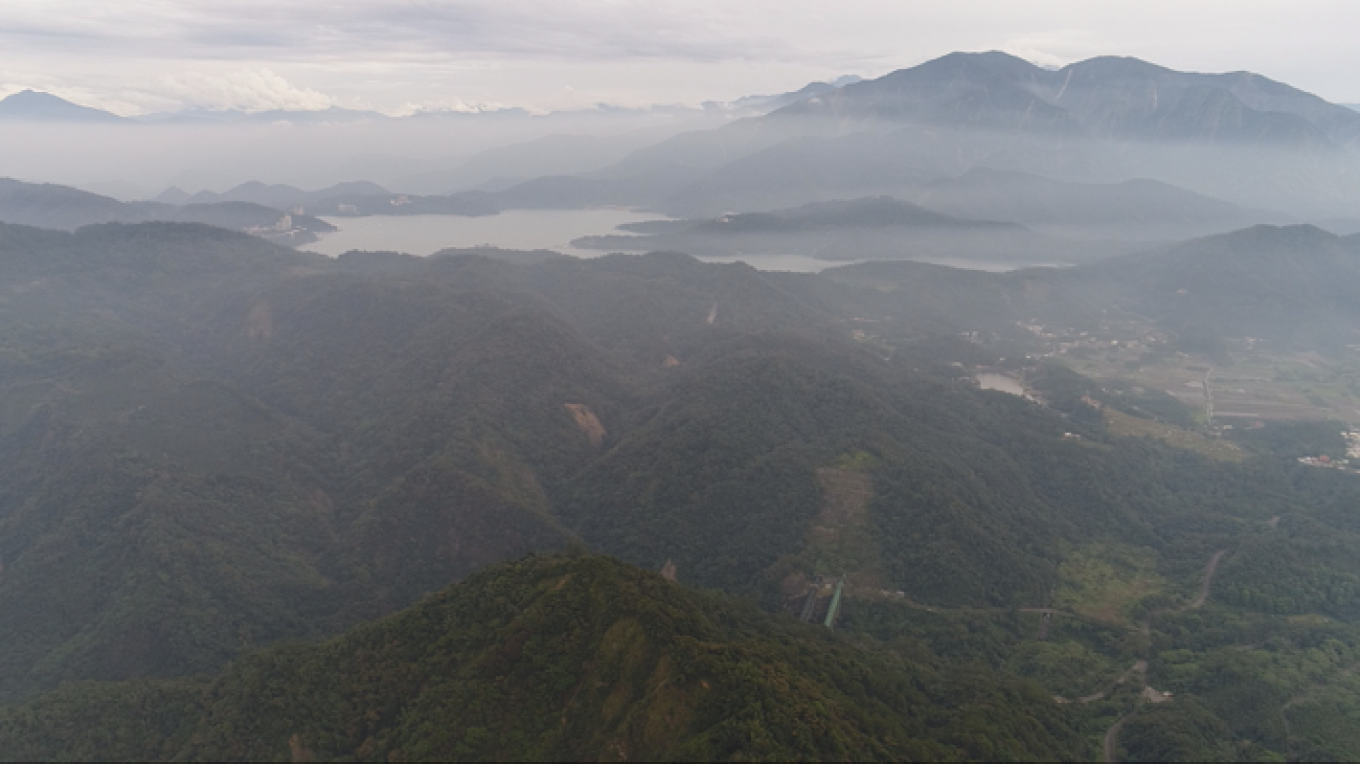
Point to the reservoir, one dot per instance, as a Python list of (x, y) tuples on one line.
[(512, 229), (1006, 384), (538, 229)]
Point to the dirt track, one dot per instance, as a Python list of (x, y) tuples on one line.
[(1208, 579), (1112, 734)]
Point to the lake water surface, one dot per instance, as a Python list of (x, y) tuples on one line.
[(513, 229), (1003, 382), (533, 229)]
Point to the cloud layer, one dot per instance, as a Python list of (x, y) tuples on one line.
[(251, 91), (139, 55)]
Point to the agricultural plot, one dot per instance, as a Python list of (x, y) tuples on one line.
[(1248, 382)]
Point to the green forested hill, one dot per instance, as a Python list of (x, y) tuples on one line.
[(1293, 284), (558, 658), (62, 207), (877, 228), (209, 444)]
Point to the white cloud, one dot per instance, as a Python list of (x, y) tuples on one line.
[(246, 90), (446, 106)]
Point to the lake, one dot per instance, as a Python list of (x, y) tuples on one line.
[(1003, 382), (513, 229), (533, 229)]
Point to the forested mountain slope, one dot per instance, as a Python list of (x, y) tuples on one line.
[(61, 207), (1293, 283), (558, 658), (211, 443), (1145, 209)]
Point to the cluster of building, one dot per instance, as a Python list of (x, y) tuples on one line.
[(1324, 461), (1066, 340), (283, 232), (284, 225), (1349, 464), (1352, 455)]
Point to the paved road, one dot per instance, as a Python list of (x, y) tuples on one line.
[(1139, 667), (1111, 737)]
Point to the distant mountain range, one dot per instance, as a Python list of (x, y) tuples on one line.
[(1238, 137), (34, 106), (770, 103), (1108, 98), (1105, 149), (278, 195), (65, 208)]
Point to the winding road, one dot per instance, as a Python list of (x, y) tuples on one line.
[(1208, 579), (1112, 734)]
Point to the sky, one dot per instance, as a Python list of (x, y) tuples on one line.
[(401, 56)]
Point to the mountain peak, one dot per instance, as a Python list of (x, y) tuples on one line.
[(993, 63), (1107, 67), (35, 105), (1286, 236)]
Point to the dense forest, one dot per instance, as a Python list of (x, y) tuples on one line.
[(211, 444), (559, 658)]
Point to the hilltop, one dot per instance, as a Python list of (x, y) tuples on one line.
[(61, 207), (30, 105), (557, 658)]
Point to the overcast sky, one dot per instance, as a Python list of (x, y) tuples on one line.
[(135, 56)]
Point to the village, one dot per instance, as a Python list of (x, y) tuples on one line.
[(1350, 464)]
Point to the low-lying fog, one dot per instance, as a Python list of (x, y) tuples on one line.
[(415, 155)]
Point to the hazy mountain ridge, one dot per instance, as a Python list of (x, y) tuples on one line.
[(1104, 97), (65, 208), (1150, 209), (36, 105), (1261, 281), (279, 195), (879, 228), (29, 105), (1238, 137)]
